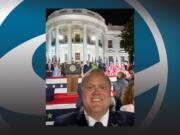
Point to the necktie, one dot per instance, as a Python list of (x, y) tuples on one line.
[(98, 124)]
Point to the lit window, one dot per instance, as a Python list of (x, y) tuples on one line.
[(110, 44), (77, 56)]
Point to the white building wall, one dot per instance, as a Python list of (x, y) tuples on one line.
[(116, 52), (78, 48), (63, 51)]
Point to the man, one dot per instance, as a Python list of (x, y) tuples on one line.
[(102, 66), (87, 67), (49, 68), (118, 86), (96, 95)]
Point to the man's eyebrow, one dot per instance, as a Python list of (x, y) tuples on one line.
[(89, 84)]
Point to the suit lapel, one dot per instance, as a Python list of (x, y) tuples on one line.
[(81, 120), (113, 120)]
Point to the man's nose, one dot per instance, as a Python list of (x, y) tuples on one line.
[(97, 90)]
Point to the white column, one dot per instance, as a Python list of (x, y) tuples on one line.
[(84, 44), (59, 46), (69, 44), (57, 43), (120, 57), (103, 48), (49, 44), (108, 59), (97, 45), (114, 59)]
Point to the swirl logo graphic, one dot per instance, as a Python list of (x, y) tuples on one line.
[(23, 91)]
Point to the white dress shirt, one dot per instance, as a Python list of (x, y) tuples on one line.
[(91, 121)]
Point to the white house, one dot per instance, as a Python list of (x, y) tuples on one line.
[(81, 35)]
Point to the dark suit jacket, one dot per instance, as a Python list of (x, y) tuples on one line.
[(77, 119), (51, 67), (86, 68)]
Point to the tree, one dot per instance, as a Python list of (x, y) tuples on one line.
[(127, 41)]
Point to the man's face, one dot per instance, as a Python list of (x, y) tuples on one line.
[(96, 94)]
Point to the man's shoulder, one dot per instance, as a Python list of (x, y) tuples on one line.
[(121, 118), (65, 119), (121, 82), (72, 119), (85, 65)]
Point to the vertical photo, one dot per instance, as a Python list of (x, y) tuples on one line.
[(90, 67)]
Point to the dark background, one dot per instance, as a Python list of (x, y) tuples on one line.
[(110, 15)]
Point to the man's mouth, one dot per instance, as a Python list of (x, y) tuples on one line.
[(96, 99)]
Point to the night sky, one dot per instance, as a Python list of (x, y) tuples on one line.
[(113, 16)]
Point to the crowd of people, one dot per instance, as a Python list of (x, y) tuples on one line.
[(57, 69), (124, 88)]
